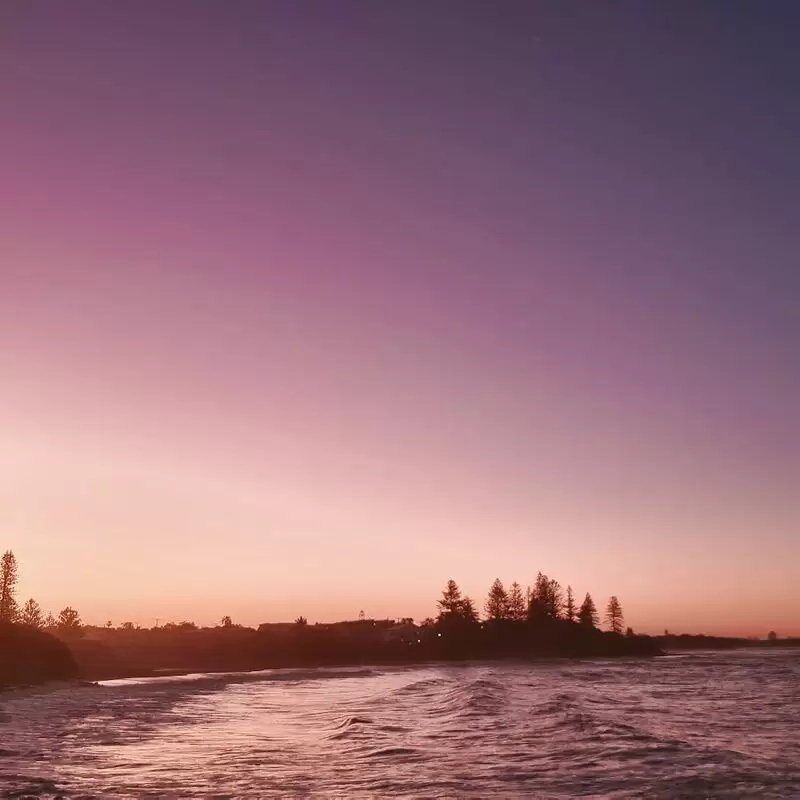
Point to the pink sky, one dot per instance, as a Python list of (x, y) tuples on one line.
[(299, 330)]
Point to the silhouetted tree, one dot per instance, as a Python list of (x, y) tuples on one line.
[(69, 622), (301, 621), (587, 614), (451, 603), (497, 602), (127, 626), (49, 621), (8, 585), (468, 612), (516, 603), (537, 598), (772, 636), (629, 633), (186, 625), (555, 599), (32, 614), (226, 622), (546, 598), (614, 618), (570, 611)]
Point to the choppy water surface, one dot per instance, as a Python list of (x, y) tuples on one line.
[(700, 725)]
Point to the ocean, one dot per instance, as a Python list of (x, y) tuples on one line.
[(699, 725)]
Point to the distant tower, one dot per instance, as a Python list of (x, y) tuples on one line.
[(361, 615)]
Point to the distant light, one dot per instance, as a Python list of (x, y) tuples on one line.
[(439, 635)]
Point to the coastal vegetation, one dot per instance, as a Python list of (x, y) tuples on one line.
[(543, 620), (31, 656)]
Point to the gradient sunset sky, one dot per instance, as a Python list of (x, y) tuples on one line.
[(306, 307)]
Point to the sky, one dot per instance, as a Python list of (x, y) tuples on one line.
[(306, 307)]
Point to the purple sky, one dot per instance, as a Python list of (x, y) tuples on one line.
[(307, 307)]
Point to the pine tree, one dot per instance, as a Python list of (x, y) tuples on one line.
[(516, 603), (497, 602), (546, 598), (538, 598), (614, 618), (555, 599), (451, 603), (49, 621), (467, 610), (569, 607), (32, 614), (8, 584), (587, 615), (455, 608)]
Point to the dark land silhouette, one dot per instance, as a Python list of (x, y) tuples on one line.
[(31, 656), (107, 653), (701, 641), (542, 621)]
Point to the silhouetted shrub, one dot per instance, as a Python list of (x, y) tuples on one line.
[(31, 656)]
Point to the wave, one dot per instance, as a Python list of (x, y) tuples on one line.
[(393, 752), (258, 676), (350, 727), (661, 731), (422, 686), (485, 697), (349, 722)]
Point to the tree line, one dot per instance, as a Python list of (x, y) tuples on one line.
[(30, 614), (545, 600)]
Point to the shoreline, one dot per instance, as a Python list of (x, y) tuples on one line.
[(47, 687), (169, 673)]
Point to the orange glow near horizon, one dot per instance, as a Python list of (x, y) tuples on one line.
[(143, 533)]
